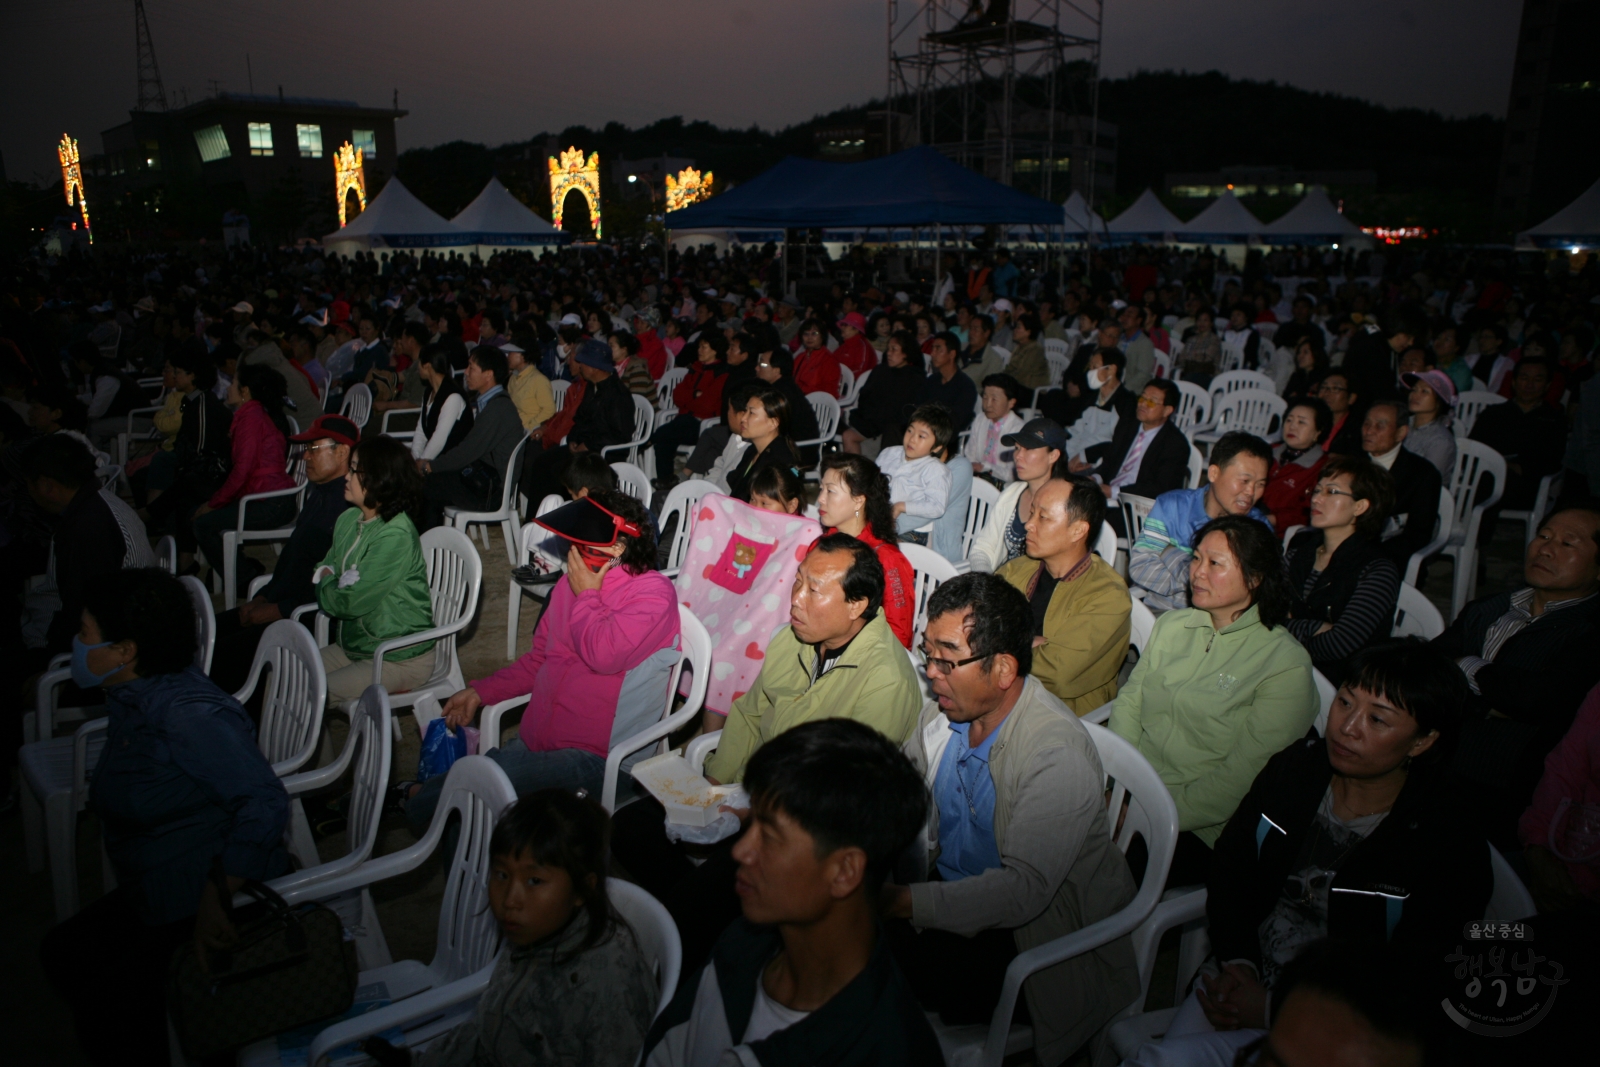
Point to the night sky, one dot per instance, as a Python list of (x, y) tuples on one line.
[(503, 70)]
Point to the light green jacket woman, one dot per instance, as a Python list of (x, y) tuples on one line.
[(1209, 707), (375, 582)]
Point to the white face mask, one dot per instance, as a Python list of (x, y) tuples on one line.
[(1097, 377)]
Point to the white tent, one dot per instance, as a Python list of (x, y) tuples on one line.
[(1079, 219), (1313, 221), (496, 219), (1575, 226), (396, 219), (1147, 219), (1224, 221)]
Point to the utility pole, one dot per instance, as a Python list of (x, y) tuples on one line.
[(152, 97)]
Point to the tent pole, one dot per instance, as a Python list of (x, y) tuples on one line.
[(938, 258), (784, 253)]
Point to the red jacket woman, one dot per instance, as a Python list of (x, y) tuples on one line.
[(259, 452), (700, 392)]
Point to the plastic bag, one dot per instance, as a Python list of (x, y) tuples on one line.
[(441, 746), (723, 826)]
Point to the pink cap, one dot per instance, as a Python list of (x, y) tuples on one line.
[(1437, 380), (856, 320)]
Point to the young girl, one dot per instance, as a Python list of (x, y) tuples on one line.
[(572, 985), (919, 481), (777, 489)]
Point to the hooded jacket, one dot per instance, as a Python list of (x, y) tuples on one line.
[(378, 585)]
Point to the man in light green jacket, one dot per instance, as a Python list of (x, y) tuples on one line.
[(837, 659), (1018, 838)]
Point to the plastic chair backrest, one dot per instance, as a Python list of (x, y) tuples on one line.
[(479, 792), (1469, 405), (847, 386), (508, 489), (929, 571), (1232, 357), (1141, 624), (1474, 459), (296, 691), (1106, 544), (694, 651), (1004, 354), (167, 553), (357, 406), (826, 409), (980, 502), (632, 480), (1135, 509), (455, 576), (861, 383), (205, 622), (1326, 691), (1197, 467), (1058, 363), (681, 502), (1055, 346), (1232, 381), (644, 419), (1194, 407), (1415, 615), (1254, 411), (664, 387), (1509, 899), (558, 389), (655, 932)]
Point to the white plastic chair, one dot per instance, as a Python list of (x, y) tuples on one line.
[(1055, 346), (1197, 466), (1058, 362), (233, 540), (1106, 544), (1163, 364), (826, 409), (665, 408), (1152, 815), (1141, 623), (167, 553), (455, 580), (694, 649), (1442, 529), (205, 622), (1135, 509), (644, 421), (1326, 691), (1232, 381), (1474, 460), (1469, 405), (683, 502), (1194, 408), (980, 503), (1415, 615), (401, 435), (848, 388), (506, 515), (1232, 357), (357, 405), (558, 389), (429, 998), (929, 571), (295, 695), (1549, 489), (529, 542), (1254, 411), (632, 480)]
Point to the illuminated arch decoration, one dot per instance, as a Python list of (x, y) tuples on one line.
[(689, 187), (72, 179), (348, 175), (571, 172)]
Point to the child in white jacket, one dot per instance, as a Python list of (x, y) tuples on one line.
[(1001, 394), (919, 481)]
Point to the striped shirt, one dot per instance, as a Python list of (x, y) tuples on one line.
[(1516, 619)]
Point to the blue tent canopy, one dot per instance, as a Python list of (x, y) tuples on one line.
[(917, 187)]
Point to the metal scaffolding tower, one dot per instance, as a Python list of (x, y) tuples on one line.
[(152, 97), (1009, 88)]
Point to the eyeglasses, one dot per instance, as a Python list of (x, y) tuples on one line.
[(1331, 490), (1332, 389), (326, 446), (943, 666), (1146, 402)]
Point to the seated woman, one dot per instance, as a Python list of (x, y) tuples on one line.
[(185, 373), (1298, 464), (1310, 364), (1363, 837), (776, 368), (446, 416), (180, 790), (698, 396), (854, 499), (597, 671), (1220, 687), (1036, 449), (1342, 588), (766, 426), (889, 394), (374, 580), (988, 456), (260, 434), (1201, 355), (713, 462)]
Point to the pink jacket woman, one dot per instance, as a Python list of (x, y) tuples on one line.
[(583, 647), (259, 453), (1568, 798)]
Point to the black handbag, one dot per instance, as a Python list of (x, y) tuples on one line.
[(290, 966)]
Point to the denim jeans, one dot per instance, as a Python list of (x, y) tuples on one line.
[(562, 768)]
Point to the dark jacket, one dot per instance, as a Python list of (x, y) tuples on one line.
[(1356, 592), (605, 417), (1346, 439), (1535, 440), (778, 454), (1428, 856), (202, 443), (1416, 496), (87, 543), (1369, 364), (1165, 465), (959, 397), (802, 418), (181, 780), (874, 1020), (885, 404), (291, 586), (1535, 683), (373, 357), (495, 433)]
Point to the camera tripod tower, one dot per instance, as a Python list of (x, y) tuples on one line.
[(152, 96), (1009, 88)]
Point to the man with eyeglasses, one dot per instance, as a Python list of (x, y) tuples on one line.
[(327, 445), (1017, 851), (1344, 436)]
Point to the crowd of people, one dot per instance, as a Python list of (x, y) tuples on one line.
[(925, 797)]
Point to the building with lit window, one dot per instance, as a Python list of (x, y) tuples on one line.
[(1264, 181), (241, 149)]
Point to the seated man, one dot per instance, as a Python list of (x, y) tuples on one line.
[(603, 417), (1080, 604), (1529, 657), (1018, 850), (1416, 481), (1158, 561), (327, 457), (1109, 406), (804, 976), (837, 658), (1147, 455), (471, 475)]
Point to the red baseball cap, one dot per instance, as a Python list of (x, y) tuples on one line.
[(334, 428), (856, 320)]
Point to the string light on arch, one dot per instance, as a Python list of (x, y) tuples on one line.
[(689, 187), (571, 171), (72, 179), (348, 175)]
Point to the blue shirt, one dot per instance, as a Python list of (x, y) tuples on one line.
[(1176, 516), (964, 791), (488, 395)]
